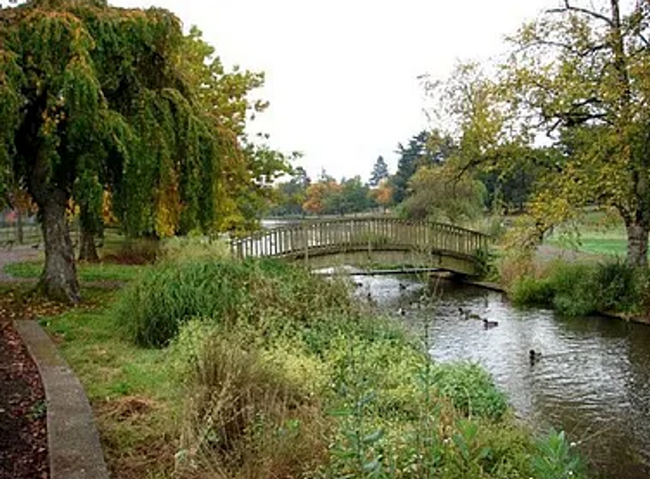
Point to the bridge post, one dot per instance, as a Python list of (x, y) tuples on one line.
[(306, 243)]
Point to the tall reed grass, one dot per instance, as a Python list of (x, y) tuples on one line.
[(578, 289)]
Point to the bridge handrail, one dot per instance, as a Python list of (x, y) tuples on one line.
[(299, 225), (295, 238)]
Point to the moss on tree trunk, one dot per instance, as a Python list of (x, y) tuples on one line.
[(59, 278)]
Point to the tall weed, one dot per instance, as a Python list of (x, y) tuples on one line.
[(194, 248), (244, 415)]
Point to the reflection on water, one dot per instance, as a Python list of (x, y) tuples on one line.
[(593, 379)]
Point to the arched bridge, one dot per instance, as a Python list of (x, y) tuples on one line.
[(368, 242)]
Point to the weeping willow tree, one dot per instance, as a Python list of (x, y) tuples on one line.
[(96, 98)]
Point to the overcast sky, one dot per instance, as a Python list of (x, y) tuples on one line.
[(341, 75)]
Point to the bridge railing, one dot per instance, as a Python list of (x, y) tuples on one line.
[(319, 236)]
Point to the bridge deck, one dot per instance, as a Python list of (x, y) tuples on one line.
[(324, 237)]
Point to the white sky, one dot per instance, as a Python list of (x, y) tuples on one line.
[(341, 76)]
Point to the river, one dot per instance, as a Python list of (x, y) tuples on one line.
[(592, 381)]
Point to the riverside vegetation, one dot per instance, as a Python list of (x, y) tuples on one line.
[(230, 369)]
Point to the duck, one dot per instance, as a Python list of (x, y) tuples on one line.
[(467, 314), (534, 356), (402, 286), (490, 324), (401, 312)]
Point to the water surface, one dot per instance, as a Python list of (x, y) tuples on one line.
[(593, 379)]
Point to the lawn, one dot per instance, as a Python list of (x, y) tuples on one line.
[(134, 402), (609, 243), (595, 233), (87, 272)]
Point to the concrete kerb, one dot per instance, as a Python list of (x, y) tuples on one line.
[(73, 442)]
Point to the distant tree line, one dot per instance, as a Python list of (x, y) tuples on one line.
[(426, 185)]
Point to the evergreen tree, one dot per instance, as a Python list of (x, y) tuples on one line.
[(379, 172), (424, 149)]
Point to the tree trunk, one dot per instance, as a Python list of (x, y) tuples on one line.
[(87, 248), (637, 244), (19, 226), (59, 278)]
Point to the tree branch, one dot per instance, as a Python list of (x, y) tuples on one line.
[(570, 8)]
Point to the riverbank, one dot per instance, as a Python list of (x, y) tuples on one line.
[(330, 388)]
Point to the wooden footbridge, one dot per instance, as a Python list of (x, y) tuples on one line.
[(368, 242)]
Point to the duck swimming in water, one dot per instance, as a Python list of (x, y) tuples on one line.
[(490, 324), (534, 356), (467, 314)]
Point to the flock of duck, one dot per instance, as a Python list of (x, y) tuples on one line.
[(533, 356), (487, 324)]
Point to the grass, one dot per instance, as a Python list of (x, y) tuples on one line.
[(286, 378), (607, 243), (594, 233), (134, 402), (87, 272)]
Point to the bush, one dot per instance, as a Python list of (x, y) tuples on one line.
[(583, 289), (152, 309), (568, 288), (620, 286), (135, 252), (575, 292), (529, 291)]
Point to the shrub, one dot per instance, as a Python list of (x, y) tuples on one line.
[(582, 289), (555, 459), (285, 376), (258, 292), (486, 264), (530, 291), (619, 286), (575, 293), (135, 252)]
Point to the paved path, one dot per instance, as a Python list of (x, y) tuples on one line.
[(74, 450), (73, 442)]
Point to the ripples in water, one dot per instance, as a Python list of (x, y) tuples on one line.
[(593, 379)]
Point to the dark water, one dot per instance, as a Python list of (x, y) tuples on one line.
[(593, 380)]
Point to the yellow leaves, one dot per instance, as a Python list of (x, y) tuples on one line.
[(383, 194), (72, 210), (168, 206), (108, 214)]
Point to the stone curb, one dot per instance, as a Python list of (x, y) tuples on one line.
[(74, 450)]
